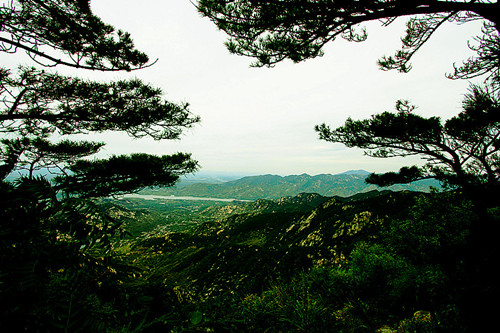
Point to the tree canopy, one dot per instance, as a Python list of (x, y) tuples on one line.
[(40, 104), (272, 31), (66, 32), (461, 151), (54, 251)]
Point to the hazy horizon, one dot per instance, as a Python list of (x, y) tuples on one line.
[(236, 175)]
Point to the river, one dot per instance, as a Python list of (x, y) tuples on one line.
[(172, 197)]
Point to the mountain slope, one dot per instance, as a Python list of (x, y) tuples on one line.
[(274, 187), (372, 260)]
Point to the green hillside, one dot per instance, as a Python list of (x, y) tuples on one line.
[(144, 217), (273, 186), (380, 260)]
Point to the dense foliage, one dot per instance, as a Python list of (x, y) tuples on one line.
[(396, 260)]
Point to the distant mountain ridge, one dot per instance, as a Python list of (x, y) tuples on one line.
[(273, 186)]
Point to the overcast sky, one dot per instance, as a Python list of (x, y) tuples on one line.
[(261, 120)]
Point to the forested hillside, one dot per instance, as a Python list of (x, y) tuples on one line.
[(273, 186), (383, 260)]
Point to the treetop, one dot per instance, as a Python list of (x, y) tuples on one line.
[(66, 32), (272, 31)]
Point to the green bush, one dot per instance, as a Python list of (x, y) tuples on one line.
[(286, 306), (435, 231)]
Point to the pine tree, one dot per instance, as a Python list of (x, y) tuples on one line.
[(273, 31), (55, 272)]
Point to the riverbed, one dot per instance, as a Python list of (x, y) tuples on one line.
[(173, 197)]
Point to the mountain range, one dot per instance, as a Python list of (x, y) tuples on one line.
[(273, 186)]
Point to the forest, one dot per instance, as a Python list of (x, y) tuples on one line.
[(77, 254)]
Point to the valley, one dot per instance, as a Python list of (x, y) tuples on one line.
[(304, 262), (185, 206)]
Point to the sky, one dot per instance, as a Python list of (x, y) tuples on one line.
[(261, 120)]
